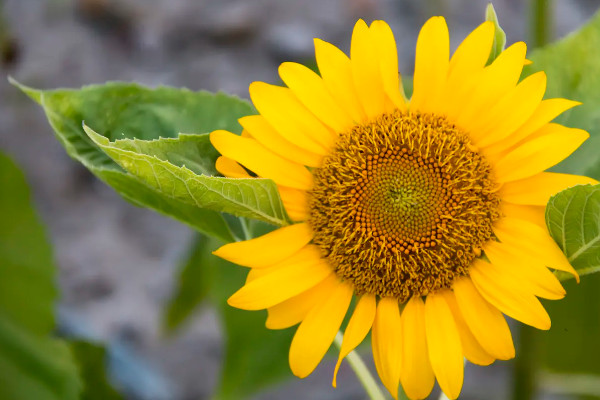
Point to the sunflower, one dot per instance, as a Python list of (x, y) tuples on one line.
[(428, 212)]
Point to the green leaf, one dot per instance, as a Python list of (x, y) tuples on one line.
[(127, 110), (499, 35), (33, 365), (253, 198), (91, 359), (573, 219), (571, 66), (254, 355), (193, 285)]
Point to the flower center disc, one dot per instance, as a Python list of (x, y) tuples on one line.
[(403, 205)]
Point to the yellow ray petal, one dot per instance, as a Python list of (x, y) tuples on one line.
[(472, 349), (310, 89), (366, 74), (268, 249), (295, 202), (443, 342), (230, 168), (484, 320), (266, 135), (512, 111), (358, 327), (538, 154), (388, 63), (537, 189), (317, 331), (534, 240), (431, 65), (545, 112), (529, 271), (503, 292), (416, 373), (293, 310), (533, 214), (466, 64), (290, 118), (336, 70), (386, 341), (496, 80), (263, 162), (299, 274)]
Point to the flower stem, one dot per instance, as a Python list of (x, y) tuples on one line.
[(361, 371), (540, 24)]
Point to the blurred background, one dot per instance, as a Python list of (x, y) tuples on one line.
[(118, 263)]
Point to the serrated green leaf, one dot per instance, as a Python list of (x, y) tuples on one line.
[(253, 198), (91, 359), (33, 365), (571, 65), (126, 110), (499, 35), (573, 219)]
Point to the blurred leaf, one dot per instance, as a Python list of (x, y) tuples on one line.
[(499, 35), (571, 65), (254, 355), (193, 284), (33, 365), (573, 219), (91, 359), (127, 110), (252, 197)]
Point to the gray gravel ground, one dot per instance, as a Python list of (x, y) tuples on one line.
[(117, 261)]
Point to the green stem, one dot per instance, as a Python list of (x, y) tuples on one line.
[(361, 371), (541, 24), (245, 229), (524, 373)]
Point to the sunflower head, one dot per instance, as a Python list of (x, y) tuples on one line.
[(428, 211)]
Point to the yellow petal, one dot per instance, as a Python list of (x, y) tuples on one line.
[(386, 341), (496, 80), (472, 350), (268, 249), (293, 310), (388, 63), (529, 271), (431, 65), (538, 154), (358, 327), (512, 111), (366, 74), (533, 214), (230, 168), (295, 202), (538, 189), (443, 342), (298, 274), (336, 71), (290, 118), (505, 294), (266, 135), (533, 240), (317, 331), (466, 64), (545, 112), (263, 162), (416, 373), (310, 89), (484, 320)]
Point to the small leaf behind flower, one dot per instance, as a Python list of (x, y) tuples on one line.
[(499, 35), (573, 219)]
